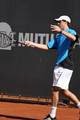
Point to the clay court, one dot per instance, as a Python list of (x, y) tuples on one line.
[(35, 110)]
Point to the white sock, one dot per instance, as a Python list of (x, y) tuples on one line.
[(53, 111), (78, 105)]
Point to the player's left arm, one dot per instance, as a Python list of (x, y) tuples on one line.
[(69, 35)]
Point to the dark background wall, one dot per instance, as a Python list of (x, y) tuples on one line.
[(28, 71)]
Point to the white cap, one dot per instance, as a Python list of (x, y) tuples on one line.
[(63, 17)]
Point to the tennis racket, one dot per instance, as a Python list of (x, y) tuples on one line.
[(6, 41)]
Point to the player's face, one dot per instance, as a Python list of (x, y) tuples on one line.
[(61, 24)]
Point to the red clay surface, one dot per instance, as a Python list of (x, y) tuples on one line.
[(21, 111)]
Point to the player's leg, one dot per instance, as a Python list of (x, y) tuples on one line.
[(55, 93), (72, 96), (55, 98)]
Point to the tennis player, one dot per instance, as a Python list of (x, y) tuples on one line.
[(63, 41)]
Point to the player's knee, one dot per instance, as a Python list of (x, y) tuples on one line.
[(65, 92), (56, 89)]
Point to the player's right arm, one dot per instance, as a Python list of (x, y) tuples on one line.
[(36, 45)]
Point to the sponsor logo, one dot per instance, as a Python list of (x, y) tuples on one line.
[(7, 37), (5, 41)]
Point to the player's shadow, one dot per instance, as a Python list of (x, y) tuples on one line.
[(16, 117)]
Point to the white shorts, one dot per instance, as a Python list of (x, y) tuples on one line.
[(61, 77)]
